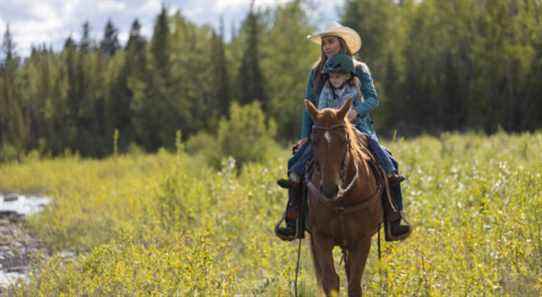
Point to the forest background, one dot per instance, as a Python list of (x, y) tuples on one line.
[(462, 65)]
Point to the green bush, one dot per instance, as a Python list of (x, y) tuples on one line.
[(204, 145), (8, 153), (246, 136)]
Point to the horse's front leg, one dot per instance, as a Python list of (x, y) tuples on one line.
[(355, 264), (323, 253)]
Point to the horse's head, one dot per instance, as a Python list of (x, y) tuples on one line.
[(330, 141)]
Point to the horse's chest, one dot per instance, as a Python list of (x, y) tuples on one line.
[(345, 226)]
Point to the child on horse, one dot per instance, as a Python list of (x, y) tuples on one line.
[(340, 77)]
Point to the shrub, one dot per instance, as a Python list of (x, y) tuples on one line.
[(246, 136)]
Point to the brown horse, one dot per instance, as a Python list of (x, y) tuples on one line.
[(344, 199)]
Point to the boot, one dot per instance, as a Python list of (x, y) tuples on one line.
[(395, 179), (283, 183), (293, 229), (394, 227)]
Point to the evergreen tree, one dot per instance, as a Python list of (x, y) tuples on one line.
[(250, 79), (221, 81), (12, 124), (126, 85), (9, 57), (86, 42), (160, 50), (110, 42), (155, 119)]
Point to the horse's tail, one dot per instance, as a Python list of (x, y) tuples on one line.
[(317, 267)]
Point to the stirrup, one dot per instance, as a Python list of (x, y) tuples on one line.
[(396, 179), (284, 236)]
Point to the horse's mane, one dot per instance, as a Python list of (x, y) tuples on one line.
[(356, 150)]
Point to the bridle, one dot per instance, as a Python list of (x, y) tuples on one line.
[(344, 164)]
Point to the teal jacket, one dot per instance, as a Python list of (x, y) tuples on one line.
[(364, 122)]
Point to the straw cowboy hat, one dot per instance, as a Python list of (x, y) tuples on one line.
[(349, 35)]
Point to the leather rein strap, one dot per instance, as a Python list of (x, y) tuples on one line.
[(342, 209), (346, 160)]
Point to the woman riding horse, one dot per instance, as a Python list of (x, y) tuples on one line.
[(335, 40)]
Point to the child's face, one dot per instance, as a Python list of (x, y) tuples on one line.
[(337, 79)]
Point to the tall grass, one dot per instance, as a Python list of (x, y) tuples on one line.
[(168, 225)]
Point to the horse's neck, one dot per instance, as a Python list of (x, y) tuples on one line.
[(366, 178)]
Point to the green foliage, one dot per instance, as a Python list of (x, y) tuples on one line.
[(205, 145), (286, 61), (110, 42), (451, 65), (8, 153), (438, 66), (249, 78), (246, 136), (149, 225)]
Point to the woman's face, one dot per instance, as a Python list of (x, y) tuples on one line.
[(331, 45)]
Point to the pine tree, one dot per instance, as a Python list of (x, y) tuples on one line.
[(86, 42), (155, 119), (110, 42), (9, 57), (160, 50), (12, 123), (220, 72), (250, 79), (121, 106)]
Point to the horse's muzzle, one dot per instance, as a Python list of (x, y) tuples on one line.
[(330, 192)]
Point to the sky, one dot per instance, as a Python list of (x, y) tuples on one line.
[(52, 21)]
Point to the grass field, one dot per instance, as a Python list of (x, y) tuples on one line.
[(168, 225)]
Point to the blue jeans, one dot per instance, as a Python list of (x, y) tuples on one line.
[(396, 192), (383, 155), (296, 164)]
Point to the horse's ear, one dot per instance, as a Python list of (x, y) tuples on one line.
[(313, 111), (344, 109)]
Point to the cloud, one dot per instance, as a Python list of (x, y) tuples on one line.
[(111, 5), (52, 21)]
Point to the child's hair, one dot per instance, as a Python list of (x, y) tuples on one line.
[(352, 81)]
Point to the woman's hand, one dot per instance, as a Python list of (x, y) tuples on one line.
[(352, 115), (299, 143)]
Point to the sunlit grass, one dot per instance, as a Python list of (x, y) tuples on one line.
[(168, 225)]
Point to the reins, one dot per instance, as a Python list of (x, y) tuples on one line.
[(344, 166)]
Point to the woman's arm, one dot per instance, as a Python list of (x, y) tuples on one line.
[(367, 89), (306, 125)]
